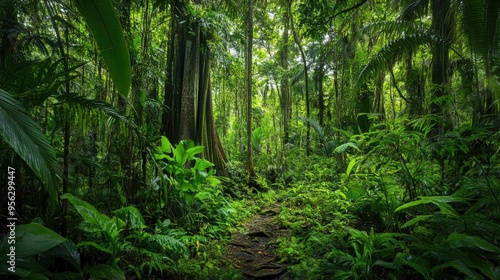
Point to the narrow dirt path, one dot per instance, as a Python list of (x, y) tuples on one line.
[(252, 251)]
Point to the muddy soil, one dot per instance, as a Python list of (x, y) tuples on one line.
[(252, 250)]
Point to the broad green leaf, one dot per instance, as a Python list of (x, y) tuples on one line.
[(342, 148), (203, 195), (202, 164), (96, 220), (68, 251), (350, 166), (415, 262), (192, 152), (19, 271), (385, 264), (458, 240), (104, 24), (166, 147), (354, 192), (416, 220), (179, 153), (131, 216), (460, 266), (437, 200), (25, 136), (95, 245), (161, 156), (31, 240)]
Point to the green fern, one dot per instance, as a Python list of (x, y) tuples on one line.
[(25, 136)]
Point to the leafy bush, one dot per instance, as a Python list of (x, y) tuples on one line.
[(405, 207), (36, 251)]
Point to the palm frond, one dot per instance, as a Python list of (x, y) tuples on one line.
[(414, 9), (317, 127), (481, 25), (25, 136), (385, 57), (394, 29), (473, 24), (95, 104)]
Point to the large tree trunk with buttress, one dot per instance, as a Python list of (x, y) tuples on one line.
[(187, 88)]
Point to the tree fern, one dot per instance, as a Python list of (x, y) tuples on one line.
[(24, 135)]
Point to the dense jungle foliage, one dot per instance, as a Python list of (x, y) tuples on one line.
[(138, 135)]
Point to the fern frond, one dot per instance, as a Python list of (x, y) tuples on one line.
[(25, 136), (168, 243), (317, 127)]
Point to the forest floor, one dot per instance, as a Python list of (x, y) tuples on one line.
[(251, 249)]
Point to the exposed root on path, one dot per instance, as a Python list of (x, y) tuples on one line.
[(252, 251)]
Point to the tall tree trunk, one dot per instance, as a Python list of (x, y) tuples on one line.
[(67, 124), (364, 108), (319, 75), (442, 22), (248, 77), (378, 102), (414, 89), (306, 76), (286, 107), (187, 87)]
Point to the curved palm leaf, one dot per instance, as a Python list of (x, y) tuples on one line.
[(95, 104), (24, 135), (481, 25), (385, 57), (396, 28), (104, 24)]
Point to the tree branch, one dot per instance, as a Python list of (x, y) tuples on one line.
[(348, 9), (396, 86)]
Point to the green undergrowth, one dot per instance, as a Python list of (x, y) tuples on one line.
[(180, 231), (396, 203), (393, 203)]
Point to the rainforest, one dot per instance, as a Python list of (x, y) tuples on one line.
[(249, 139)]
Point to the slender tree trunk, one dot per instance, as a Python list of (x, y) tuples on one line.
[(67, 126), (248, 74), (306, 77), (378, 102), (286, 108), (442, 22), (319, 75), (414, 89)]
